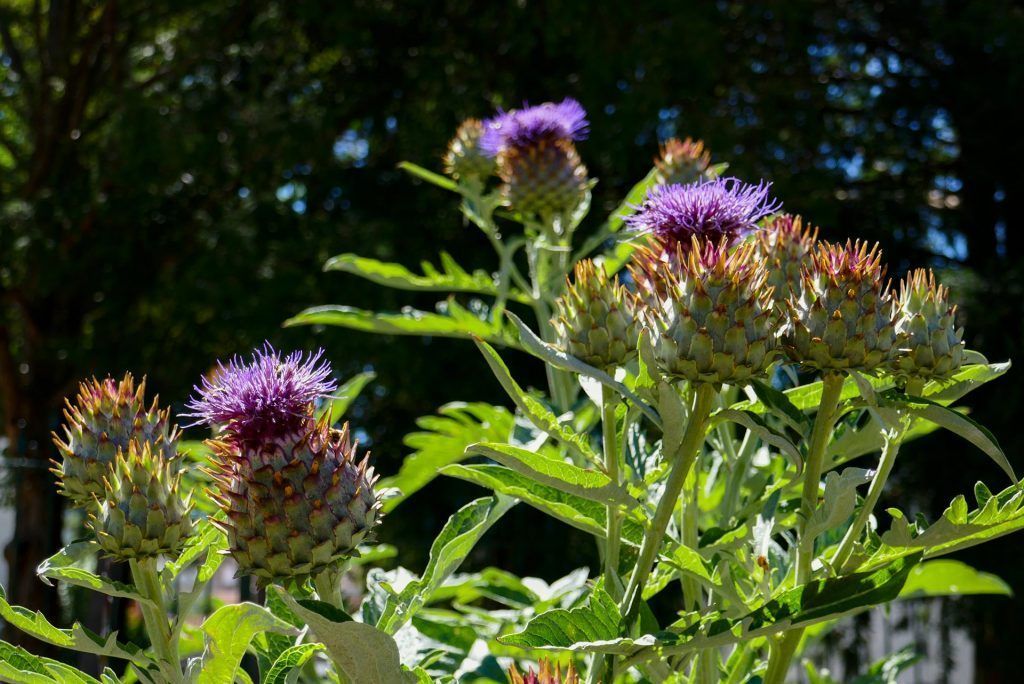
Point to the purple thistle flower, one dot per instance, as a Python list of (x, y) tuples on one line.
[(266, 398), (526, 127), (712, 210)]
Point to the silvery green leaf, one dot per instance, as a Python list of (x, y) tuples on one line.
[(839, 502), (228, 632), (590, 484)]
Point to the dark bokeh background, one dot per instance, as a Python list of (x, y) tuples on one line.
[(173, 175)]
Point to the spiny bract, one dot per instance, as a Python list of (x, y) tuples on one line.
[(544, 180), (931, 345), (596, 318), (683, 162), (141, 513), (843, 317), (547, 675), (709, 312), (783, 244), (296, 505), (464, 160), (106, 417)]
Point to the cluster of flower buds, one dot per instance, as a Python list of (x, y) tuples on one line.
[(723, 293), (119, 463), (533, 152), (296, 501)]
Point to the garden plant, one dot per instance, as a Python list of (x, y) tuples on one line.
[(726, 400)]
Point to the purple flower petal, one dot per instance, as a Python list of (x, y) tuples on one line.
[(712, 210), (523, 128), (266, 398)]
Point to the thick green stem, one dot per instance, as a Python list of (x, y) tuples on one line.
[(154, 616), (613, 525), (885, 463), (893, 439), (682, 460), (784, 648), (824, 421)]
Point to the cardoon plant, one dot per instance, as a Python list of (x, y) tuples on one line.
[(685, 457), (295, 508)]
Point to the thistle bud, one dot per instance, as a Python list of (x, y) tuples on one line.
[(464, 160), (784, 245), (141, 513), (295, 500), (106, 417), (540, 170), (844, 316), (296, 505), (547, 675), (595, 319), (709, 312), (711, 211), (932, 345), (682, 162)]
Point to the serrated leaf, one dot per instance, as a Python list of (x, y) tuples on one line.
[(450, 278), (839, 501), (291, 658), (965, 380), (589, 484), (1001, 514), (756, 424), (227, 635), (456, 539), (538, 414), (364, 654), (598, 619), (581, 513), (442, 440), (779, 404), (342, 399), (951, 578), (455, 321), (77, 638), (958, 423), (67, 566), (559, 359)]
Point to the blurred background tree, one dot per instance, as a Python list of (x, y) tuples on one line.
[(172, 176)]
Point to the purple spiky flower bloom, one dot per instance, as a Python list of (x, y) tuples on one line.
[(266, 398), (523, 128), (709, 210)]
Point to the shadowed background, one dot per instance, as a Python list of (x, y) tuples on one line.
[(174, 174)]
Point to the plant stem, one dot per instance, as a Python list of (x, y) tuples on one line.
[(892, 446), (893, 439), (782, 650), (824, 421), (613, 525), (154, 616), (682, 460)]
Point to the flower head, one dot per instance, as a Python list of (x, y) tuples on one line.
[(268, 397), (709, 210), (526, 127), (683, 161)]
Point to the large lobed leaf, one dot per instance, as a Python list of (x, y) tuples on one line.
[(457, 538), (453, 320), (442, 440), (449, 278)]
